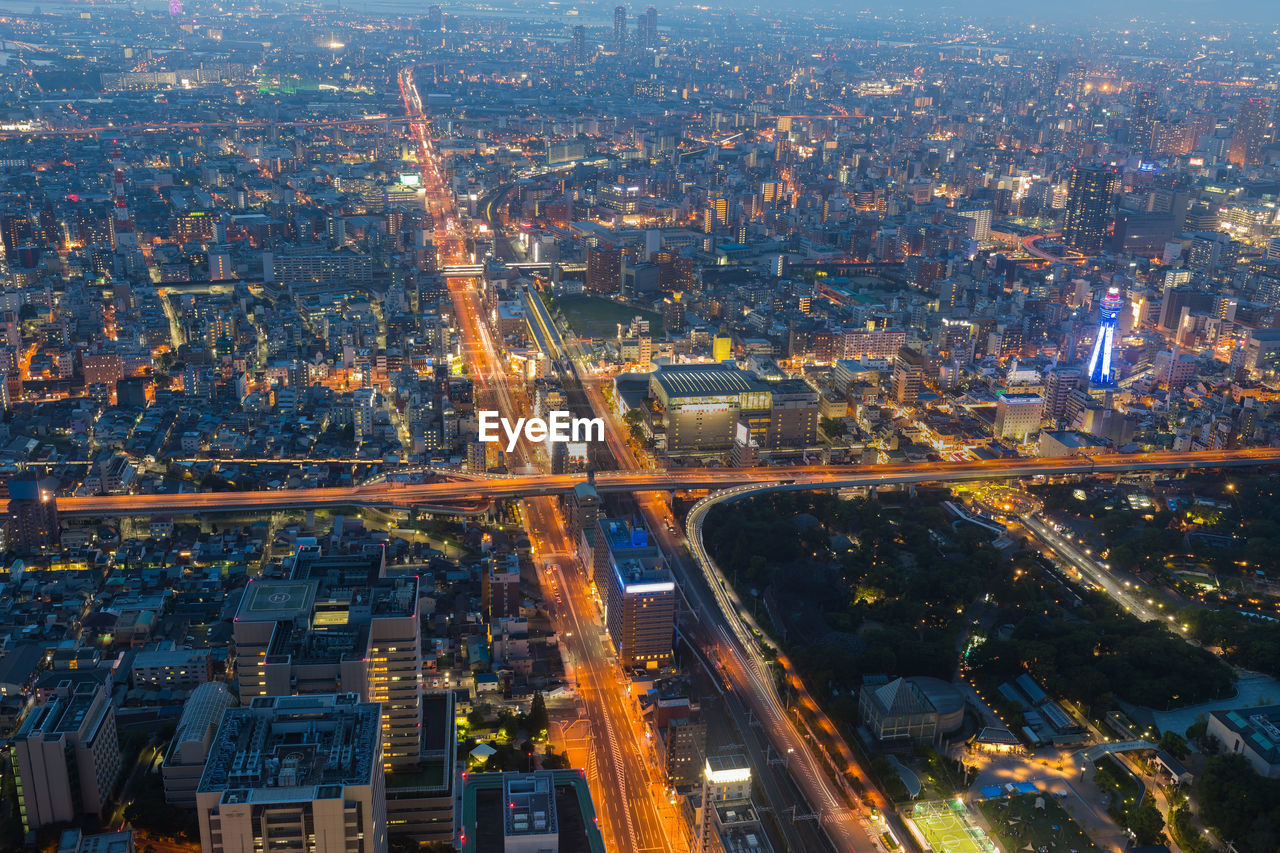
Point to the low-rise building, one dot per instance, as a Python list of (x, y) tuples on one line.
[(897, 711), (700, 407), (1253, 733), (176, 669), (184, 763)]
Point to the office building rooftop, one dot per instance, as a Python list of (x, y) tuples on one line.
[(283, 743)]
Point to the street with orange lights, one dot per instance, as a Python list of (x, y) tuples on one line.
[(630, 807)]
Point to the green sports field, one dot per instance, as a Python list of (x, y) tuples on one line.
[(947, 827)]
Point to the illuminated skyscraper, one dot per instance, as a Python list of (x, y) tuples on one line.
[(619, 28), (123, 233), (647, 28), (1100, 372), (32, 517), (1142, 120), (1255, 128), (15, 230), (1088, 208)]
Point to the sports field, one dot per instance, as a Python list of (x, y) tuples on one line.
[(946, 826)]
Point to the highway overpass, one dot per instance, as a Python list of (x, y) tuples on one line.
[(441, 495), (472, 270)]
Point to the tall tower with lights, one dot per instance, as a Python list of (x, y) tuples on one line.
[(620, 28), (123, 233), (1100, 372)]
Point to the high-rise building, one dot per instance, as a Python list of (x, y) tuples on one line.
[(530, 821), (67, 756), (908, 375), (194, 225), (1255, 129), (682, 739), (337, 624), (1100, 371), (1273, 249), (435, 19), (124, 234), (773, 192), (295, 773), (604, 270), (647, 28), (673, 313), (620, 197), (716, 214), (640, 612), (1048, 74), (16, 229), (1089, 195), (104, 368), (364, 410), (871, 343), (1018, 415), (612, 541), (1058, 383), (500, 587), (981, 216), (32, 517), (308, 265), (1174, 368), (619, 28), (685, 743), (727, 819), (579, 45), (582, 508), (636, 591), (1142, 120), (220, 265)]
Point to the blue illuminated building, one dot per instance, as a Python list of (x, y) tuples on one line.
[(1100, 372)]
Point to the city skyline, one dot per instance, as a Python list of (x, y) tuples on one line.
[(635, 427)]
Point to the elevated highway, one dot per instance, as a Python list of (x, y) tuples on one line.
[(446, 494)]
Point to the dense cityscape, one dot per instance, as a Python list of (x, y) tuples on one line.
[(562, 426)]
